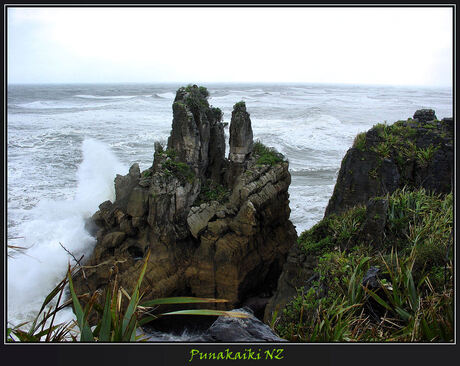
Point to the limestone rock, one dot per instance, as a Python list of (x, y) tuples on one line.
[(241, 139), (241, 142), (124, 184), (217, 161), (191, 128), (232, 248)]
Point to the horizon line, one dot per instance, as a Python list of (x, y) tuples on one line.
[(451, 86)]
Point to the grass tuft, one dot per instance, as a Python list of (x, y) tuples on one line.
[(266, 155)]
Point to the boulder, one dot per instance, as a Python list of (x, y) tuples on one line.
[(230, 329), (425, 115)]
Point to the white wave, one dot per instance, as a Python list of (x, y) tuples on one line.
[(85, 96), (40, 104), (312, 169), (321, 133), (168, 95), (308, 203), (33, 275)]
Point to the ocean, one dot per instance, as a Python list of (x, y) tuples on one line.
[(66, 143)]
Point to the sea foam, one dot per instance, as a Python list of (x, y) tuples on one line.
[(33, 274)]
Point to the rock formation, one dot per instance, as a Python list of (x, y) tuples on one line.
[(417, 153), (240, 142), (209, 235), (413, 153)]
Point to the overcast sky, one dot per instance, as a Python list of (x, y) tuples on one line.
[(398, 46)]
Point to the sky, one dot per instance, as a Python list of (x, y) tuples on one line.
[(390, 46)]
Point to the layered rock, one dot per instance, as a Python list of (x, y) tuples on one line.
[(232, 247), (241, 142), (417, 153)]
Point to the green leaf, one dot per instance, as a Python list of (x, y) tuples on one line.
[(130, 332), (233, 314), (147, 319), (426, 330), (133, 303), (414, 299), (47, 300), (52, 295), (403, 314), (25, 337), (86, 334), (46, 331), (106, 322), (378, 299), (181, 300)]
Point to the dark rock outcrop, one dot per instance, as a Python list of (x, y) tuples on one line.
[(297, 270), (229, 329), (371, 278), (417, 153), (232, 248), (241, 141), (373, 228), (424, 115)]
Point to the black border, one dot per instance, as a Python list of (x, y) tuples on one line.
[(179, 353)]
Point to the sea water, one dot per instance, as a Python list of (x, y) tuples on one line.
[(66, 143)]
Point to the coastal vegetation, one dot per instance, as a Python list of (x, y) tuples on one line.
[(382, 262), (117, 317), (173, 167), (377, 268), (266, 155), (212, 191)]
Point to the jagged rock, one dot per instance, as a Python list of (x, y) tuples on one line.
[(217, 161), (296, 272), (241, 142), (371, 278), (241, 139), (425, 115), (197, 220), (124, 184), (366, 173), (190, 129), (418, 155), (230, 329), (245, 245), (233, 248), (447, 124)]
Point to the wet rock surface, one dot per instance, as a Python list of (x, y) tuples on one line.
[(229, 329)]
